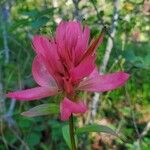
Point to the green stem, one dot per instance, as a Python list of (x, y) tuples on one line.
[(71, 130)]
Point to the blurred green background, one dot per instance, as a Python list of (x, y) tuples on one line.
[(126, 109)]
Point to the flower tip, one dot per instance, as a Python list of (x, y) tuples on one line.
[(9, 95), (12, 95), (23, 114), (26, 114), (125, 75)]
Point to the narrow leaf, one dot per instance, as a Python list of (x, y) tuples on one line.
[(40, 110), (37, 23), (66, 136), (96, 128)]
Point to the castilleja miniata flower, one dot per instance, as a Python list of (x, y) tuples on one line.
[(66, 64)]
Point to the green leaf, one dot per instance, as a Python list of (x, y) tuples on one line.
[(18, 24), (48, 12), (40, 110), (66, 135), (96, 128), (33, 139), (32, 13), (37, 23), (24, 123), (36, 14)]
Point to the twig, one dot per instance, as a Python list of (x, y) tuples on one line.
[(146, 130), (76, 11), (6, 48), (11, 107), (8, 116), (2, 99), (5, 17), (132, 112), (100, 20), (5, 14), (97, 96), (112, 33), (94, 106)]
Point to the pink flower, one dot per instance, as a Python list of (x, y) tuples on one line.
[(66, 64)]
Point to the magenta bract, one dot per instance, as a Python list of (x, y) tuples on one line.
[(66, 64)]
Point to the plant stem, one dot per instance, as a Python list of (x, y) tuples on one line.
[(71, 130)]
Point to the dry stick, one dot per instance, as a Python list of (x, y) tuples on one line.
[(6, 52), (6, 48), (77, 15), (132, 112), (100, 20), (2, 105), (97, 96), (8, 116), (2, 99), (5, 14), (134, 119), (145, 131), (112, 34)]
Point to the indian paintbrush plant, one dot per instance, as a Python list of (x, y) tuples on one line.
[(66, 64)]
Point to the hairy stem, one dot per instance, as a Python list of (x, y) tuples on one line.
[(71, 130)]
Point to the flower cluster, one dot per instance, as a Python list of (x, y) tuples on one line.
[(66, 63)]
